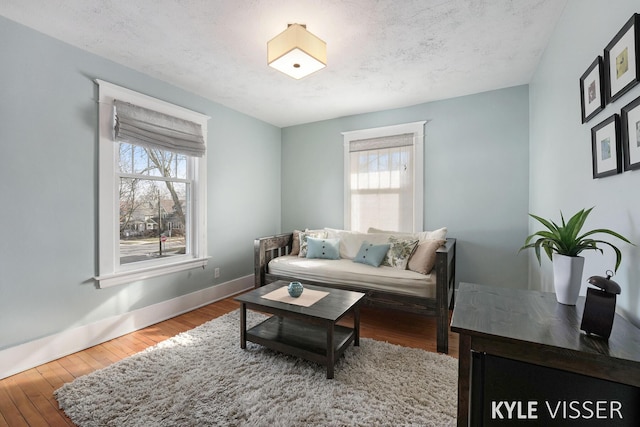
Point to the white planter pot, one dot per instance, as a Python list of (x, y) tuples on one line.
[(567, 278)]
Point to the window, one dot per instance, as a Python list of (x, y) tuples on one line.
[(154, 199), (152, 187), (383, 178)]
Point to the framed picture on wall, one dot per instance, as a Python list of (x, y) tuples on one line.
[(592, 90), (605, 147), (621, 66), (631, 134)]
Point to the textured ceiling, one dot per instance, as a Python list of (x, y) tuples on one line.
[(381, 53)]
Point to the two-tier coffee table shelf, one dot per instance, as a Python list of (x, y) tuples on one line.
[(311, 333)]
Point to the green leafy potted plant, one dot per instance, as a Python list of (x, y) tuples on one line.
[(563, 244)]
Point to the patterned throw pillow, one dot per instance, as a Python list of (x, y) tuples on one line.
[(399, 252), (319, 234)]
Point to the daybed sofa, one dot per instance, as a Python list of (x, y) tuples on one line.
[(417, 279)]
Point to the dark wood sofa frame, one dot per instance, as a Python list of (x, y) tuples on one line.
[(268, 248)]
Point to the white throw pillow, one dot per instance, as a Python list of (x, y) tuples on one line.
[(350, 241)]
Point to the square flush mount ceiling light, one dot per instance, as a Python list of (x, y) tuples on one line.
[(296, 52)]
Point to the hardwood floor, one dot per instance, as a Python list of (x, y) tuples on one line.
[(26, 399)]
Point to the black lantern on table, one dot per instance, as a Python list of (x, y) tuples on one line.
[(600, 306)]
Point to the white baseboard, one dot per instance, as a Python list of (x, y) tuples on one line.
[(34, 353)]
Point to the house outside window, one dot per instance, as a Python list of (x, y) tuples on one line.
[(154, 192), (152, 189), (383, 169)]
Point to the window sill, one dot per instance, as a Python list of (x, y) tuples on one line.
[(125, 277)]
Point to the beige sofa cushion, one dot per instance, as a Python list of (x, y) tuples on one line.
[(424, 257), (359, 276), (440, 233)]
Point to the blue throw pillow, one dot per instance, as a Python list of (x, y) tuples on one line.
[(323, 248), (371, 254)]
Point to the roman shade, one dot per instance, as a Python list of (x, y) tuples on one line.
[(381, 184), (149, 128), (404, 140), (383, 177)]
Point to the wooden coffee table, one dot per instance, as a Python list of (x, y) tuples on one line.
[(307, 332)]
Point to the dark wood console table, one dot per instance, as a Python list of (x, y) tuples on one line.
[(532, 342)]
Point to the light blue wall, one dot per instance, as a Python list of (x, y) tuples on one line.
[(476, 177), (48, 182), (560, 158)]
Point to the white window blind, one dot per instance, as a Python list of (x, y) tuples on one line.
[(383, 185), (383, 178)]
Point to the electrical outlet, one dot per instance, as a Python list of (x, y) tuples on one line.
[(216, 273)]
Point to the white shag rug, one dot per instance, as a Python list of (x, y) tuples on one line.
[(203, 378)]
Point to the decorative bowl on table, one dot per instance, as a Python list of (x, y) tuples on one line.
[(295, 289)]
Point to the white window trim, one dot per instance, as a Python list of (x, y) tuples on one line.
[(417, 129), (110, 272)]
